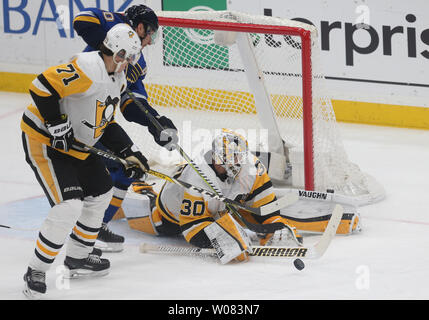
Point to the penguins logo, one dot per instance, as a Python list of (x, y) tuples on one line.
[(103, 115)]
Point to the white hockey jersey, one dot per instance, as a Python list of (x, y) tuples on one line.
[(193, 211), (87, 94)]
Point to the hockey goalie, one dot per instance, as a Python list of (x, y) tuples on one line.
[(205, 222)]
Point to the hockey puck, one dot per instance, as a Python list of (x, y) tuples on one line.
[(299, 264)]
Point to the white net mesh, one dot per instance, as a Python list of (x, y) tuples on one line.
[(197, 78)]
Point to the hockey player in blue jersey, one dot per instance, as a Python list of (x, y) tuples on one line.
[(92, 25)]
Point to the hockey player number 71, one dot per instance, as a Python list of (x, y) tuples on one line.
[(70, 69)]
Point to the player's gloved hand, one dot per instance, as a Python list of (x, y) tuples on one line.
[(167, 138), (61, 132), (136, 171)]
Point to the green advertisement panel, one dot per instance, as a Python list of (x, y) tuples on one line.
[(193, 47)]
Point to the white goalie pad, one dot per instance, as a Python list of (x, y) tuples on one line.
[(284, 237), (313, 205), (136, 205), (226, 246)]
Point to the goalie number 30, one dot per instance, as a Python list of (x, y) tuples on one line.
[(195, 208)]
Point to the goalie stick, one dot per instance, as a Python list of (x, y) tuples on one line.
[(259, 228), (311, 252), (264, 210)]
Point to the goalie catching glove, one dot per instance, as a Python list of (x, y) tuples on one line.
[(136, 171), (61, 132)]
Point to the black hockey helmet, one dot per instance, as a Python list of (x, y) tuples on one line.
[(141, 13)]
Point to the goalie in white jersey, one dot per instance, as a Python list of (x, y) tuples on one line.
[(203, 220), (240, 176), (77, 101)]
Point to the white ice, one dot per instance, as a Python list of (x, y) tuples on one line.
[(389, 259)]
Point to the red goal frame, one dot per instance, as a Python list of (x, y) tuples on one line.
[(307, 77)]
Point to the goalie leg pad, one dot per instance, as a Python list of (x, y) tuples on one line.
[(350, 223), (228, 239), (143, 224), (119, 214), (147, 223)]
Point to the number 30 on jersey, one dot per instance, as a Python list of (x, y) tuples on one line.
[(196, 208)]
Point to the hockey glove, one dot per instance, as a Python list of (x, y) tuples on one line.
[(167, 138), (136, 171), (61, 132)]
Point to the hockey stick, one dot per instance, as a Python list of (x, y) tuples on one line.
[(311, 252), (105, 154), (258, 228), (16, 228), (283, 202), (269, 208)]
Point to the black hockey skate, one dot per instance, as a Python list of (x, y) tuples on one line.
[(35, 284), (108, 241), (92, 266), (96, 252)]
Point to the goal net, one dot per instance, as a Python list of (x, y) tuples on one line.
[(259, 76)]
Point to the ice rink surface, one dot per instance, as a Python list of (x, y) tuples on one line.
[(389, 259)]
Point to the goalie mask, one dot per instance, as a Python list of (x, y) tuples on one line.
[(230, 152), (124, 43)]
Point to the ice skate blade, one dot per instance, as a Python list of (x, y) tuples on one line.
[(109, 246), (82, 273), (31, 294)]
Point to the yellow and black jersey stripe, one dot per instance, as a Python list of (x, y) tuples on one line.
[(194, 215), (46, 90), (45, 250), (61, 81), (86, 16), (126, 101), (171, 217), (134, 72), (262, 192), (30, 124)]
